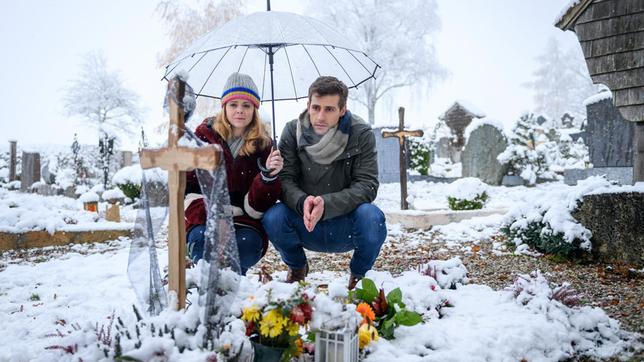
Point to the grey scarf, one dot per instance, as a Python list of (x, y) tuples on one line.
[(323, 149), (235, 144)]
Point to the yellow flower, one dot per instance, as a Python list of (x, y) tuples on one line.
[(293, 329), (272, 323), (366, 334), (251, 314)]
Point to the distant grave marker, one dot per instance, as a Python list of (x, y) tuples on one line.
[(30, 170), (402, 138), (12, 161)]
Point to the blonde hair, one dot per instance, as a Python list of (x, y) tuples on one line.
[(255, 134)]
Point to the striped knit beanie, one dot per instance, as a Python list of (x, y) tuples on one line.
[(240, 86)]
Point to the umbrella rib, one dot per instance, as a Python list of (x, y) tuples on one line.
[(344, 70), (312, 61), (213, 70), (288, 60), (359, 62), (242, 60), (197, 62)]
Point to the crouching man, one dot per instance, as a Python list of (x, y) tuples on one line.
[(329, 179)]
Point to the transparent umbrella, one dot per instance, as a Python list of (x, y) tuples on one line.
[(283, 52)]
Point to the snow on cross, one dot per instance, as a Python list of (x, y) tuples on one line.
[(177, 160)]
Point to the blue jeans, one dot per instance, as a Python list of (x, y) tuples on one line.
[(249, 244), (363, 230)]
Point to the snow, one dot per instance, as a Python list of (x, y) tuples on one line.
[(132, 174), (89, 196), (467, 188), (478, 122), (605, 94), (113, 194), (564, 10), (80, 287), (31, 212)]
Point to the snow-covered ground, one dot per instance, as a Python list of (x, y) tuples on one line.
[(83, 287)]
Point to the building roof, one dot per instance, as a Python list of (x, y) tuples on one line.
[(466, 106), (569, 14)]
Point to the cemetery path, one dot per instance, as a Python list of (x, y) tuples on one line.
[(615, 289)]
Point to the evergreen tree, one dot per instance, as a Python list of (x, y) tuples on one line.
[(561, 82)]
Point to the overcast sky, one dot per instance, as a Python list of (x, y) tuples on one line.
[(489, 47)]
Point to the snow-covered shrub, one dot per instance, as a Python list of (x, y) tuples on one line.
[(419, 156), (129, 179), (546, 222), (526, 288), (525, 156), (467, 193)]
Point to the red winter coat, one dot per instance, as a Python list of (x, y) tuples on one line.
[(250, 195)]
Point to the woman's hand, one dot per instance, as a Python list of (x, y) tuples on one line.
[(275, 162)]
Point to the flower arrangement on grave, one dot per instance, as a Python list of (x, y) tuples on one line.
[(276, 319), (381, 313)]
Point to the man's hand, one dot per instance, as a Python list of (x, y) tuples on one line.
[(313, 211)]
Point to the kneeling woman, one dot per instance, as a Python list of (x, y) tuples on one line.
[(242, 136)]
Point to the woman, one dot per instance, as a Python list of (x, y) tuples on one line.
[(242, 136)]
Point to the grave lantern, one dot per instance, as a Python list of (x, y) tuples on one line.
[(337, 345), (90, 201)]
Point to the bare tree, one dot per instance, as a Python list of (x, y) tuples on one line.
[(186, 24), (561, 82), (99, 96), (397, 34)]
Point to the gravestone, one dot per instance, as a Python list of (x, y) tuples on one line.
[(610, 140), (388, 157), (442, 147), (479, 156), (12, 161), (30, 170), (610, 144), (126, 158)]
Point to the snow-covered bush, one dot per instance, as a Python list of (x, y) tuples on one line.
[(526, 154), (447, 273), (419, 156), (546, 222), (129, 179), (467, 193)]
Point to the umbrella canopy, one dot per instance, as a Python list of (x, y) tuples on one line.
[(301, 48)]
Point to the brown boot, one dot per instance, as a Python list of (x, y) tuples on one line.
[(296, 275), (353, 280)]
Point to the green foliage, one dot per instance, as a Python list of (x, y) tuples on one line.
[(130, 190), (368, 292), (461, 204), (34, 297), (539, 236), (419, 156), (390, 311)]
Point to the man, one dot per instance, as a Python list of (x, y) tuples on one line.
[(329, 179)]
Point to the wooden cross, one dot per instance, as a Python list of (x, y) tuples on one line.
[(177, 160), (402, 138)]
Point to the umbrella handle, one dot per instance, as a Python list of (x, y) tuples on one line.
[(265, 170)]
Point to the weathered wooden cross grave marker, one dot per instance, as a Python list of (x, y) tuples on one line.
[(402, 137), (177, 160), (12, 161)]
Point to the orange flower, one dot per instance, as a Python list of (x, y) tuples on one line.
[(366, 312)]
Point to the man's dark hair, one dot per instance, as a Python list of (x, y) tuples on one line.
[(329, 86)]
